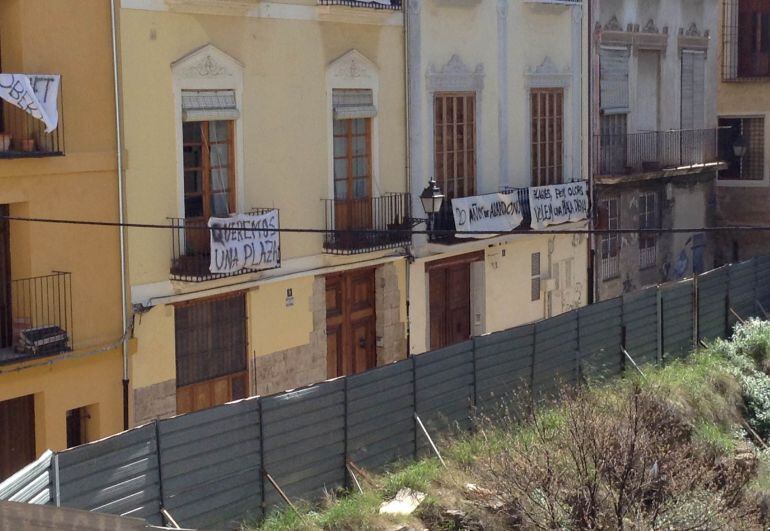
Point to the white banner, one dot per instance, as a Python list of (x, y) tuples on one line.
[(244, 241), (560, 203), (35, 94), (496, 213)]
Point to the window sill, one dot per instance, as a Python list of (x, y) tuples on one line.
[(742, 183)]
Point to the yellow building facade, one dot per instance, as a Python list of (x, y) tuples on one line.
[(63, 279), (287, 109)]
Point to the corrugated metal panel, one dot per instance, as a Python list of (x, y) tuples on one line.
[(210, 465), (742, 292), (444, 385), (601, 327), (118, 475), (556, 352), (762, 275), (304, 441), (380, 419), (503, 365), (640, 317), (712, 293), (31, 484), (677, 319)]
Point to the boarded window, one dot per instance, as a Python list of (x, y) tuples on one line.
[(455, 143), (547, 108), (648, 219), (210, 339), (614, 79)]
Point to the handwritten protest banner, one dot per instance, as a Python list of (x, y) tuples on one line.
[(560, 203), (495, 213), (244, 241), (35, 95)]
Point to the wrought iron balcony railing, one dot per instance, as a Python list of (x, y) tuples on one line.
[(191, 250), (22, 136), (39, 319), (395, 5), (625, 154), (370, 224)]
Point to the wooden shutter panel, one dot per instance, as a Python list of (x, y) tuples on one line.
[(614, 79), (693, 87)]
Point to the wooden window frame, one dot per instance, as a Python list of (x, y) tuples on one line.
[(350, 157), (205, 168), (649, 218), (610, 243), (547, 154), (441, 130)]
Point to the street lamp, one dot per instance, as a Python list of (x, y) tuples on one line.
[(432, 198), (740, 147)]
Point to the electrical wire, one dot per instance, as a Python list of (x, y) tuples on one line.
[(434, 232)]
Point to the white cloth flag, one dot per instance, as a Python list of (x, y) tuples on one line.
[(244, 241), (496, 213), (560, 203), (35, 94)]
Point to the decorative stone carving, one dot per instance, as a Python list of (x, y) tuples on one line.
[(650, 27), (613, 25), (353, 66), (502, 8), (207, 62), (692, 31), (455, 75), (547, 74)]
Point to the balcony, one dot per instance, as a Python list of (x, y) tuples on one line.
[(363, 225), (191, 250), (444, 221), (22, 136), (395, 5), (39, 322), (626, 154)]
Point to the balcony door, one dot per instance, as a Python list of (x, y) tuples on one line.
[(352, 177), (17, 434), (209, 178), (6, 318)]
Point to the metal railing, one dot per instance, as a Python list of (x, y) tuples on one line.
[(348, 221), (624, 154), (22, 136), (648, 256), (444, 221), (395, 5), (191, 250), (43, 302)]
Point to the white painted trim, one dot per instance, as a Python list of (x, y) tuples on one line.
[(503, 91), (208, 68), (279, 11)]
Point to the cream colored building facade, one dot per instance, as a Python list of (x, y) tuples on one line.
[(302, 84), (498, 56)]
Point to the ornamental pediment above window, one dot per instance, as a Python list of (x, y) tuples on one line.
[(206, 63)]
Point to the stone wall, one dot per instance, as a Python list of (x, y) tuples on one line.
[(297, 366), (391, 331), (154, 402)]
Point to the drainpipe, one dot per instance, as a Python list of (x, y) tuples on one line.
[(592, 288), (121, 211), (408, 172)]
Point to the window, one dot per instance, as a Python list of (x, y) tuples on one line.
[(610, 243), (547, 108), (455, 138), (210, 352), (693, 106), (209, 176), (753, 38), (648, 219), (535, 274), (77, 420), (751, 166), (352, 158), (612, 156)]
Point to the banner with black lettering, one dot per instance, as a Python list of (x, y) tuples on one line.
[(244, 241), (492, 213), (34, 94), (560, 203)]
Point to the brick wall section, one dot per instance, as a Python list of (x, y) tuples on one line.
[(297, 366), (156, 401), (391, 331)]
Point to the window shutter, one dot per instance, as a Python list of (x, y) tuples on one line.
[(693, 87), (614, 79), (209, 105), (351, 104)]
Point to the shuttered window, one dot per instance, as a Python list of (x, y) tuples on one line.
[(614, 79), (693, 86), (210, 339), (547, 108), (455, 143), (209, 105), (754, 38), (350, 104)]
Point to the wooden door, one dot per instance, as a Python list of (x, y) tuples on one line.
[(17, 434), (450, 304), (350, 323), (210, 393), (6, 318)]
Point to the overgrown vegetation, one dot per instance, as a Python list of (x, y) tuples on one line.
[(682, 448)]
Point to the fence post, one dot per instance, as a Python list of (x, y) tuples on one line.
[(261, 472), (475, 396), (727, 304), (160, 469), (577, 351), (534, 357), (345, 434), (414, 405), (623, 349), (659, 293), (695, 312)]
